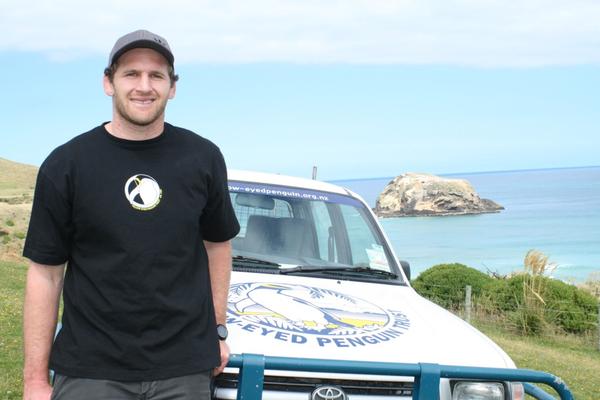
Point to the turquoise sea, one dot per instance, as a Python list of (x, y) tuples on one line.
[(555, 211)]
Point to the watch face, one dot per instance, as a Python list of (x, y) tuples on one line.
[(222, 332)]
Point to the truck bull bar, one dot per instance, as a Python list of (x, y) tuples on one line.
[(427, 376)]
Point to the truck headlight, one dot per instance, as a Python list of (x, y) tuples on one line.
[(463, 390)]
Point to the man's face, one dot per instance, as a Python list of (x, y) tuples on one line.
[(141, 87)]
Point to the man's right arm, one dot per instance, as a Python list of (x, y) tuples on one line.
[(40, 314)]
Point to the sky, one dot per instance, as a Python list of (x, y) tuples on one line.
[(358, 88)]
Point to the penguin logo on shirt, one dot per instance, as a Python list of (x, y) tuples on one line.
[(143, 192)]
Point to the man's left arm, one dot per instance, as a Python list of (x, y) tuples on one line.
[(219, 266)]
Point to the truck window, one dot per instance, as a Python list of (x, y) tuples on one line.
[(365, 246), (324, 231), (281, 209)]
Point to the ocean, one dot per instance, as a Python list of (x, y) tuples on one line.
[(555, 211)]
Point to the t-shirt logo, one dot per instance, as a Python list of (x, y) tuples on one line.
[(142, 192)]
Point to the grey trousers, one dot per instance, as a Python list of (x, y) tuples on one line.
[(190, 387)]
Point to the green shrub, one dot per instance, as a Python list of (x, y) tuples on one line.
[(492, 299), (445, 284), (511, 298), (20, 235), (567, 307), (10, 222)]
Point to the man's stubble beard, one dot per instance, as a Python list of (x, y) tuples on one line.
[(123, 113)]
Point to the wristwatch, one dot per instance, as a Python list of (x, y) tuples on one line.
[(222, 332)]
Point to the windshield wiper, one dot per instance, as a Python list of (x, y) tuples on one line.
[(340, 270), (257, 261), (374, 271)]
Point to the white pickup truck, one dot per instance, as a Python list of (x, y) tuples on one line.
[(315, 277)]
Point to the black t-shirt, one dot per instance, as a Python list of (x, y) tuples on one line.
[(129, 218)]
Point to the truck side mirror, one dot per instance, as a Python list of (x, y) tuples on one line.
[(405, 268)]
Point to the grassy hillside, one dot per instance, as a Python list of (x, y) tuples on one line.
[(17, 182), (16, 179), (568, 357)]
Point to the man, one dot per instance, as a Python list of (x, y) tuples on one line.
[(139, 212)]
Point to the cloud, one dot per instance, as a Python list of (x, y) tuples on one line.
[(493, 33)]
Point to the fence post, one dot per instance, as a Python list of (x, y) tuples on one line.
[(468, 303)]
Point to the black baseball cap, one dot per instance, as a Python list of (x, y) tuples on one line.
[(141, 39)]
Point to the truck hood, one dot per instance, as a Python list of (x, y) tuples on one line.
[(297, 316)]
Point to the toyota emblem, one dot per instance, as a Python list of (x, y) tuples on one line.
[(328, 393)]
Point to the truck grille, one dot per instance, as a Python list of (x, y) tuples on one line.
[(300, 385)]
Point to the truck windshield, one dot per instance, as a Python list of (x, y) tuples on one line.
[(284, 227)]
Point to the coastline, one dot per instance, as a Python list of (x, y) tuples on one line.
[(556, 211)]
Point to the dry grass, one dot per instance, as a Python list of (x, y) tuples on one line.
[(532, 311), (536, 267)]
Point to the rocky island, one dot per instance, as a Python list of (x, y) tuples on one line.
[(414, 194)]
